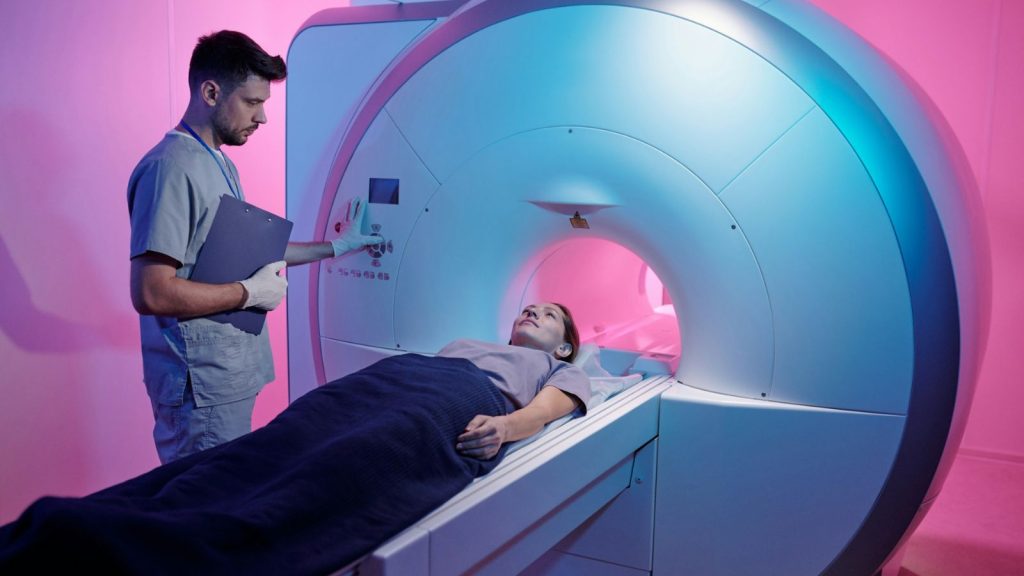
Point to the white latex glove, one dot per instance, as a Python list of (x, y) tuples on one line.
[(353, 238), (265, 288)]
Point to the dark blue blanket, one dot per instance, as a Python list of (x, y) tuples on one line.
[(341, 470)]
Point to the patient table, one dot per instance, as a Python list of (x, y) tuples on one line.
[(541, 494)]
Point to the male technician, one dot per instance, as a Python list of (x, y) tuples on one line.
[(202, 376)]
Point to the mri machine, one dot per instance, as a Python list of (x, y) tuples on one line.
[(741, 201)]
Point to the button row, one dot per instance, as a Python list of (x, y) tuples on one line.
[(368, 274)]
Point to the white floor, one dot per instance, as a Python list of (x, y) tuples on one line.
[(976, 526)]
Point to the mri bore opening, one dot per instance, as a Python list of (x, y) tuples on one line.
[(619, 303)]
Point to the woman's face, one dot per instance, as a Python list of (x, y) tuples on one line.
[(541, 327)]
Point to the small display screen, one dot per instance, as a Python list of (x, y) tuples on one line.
[(384, 190)]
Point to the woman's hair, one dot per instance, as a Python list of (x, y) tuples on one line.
[(230, 58), (572, 335)]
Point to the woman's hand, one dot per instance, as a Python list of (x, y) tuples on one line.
[(483, 436)]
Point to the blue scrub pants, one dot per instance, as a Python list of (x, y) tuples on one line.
[(186, 429)]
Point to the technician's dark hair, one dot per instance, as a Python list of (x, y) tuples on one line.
[(230, 57), (572, 335)]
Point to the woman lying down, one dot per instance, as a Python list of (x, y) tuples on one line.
[(337, 473)]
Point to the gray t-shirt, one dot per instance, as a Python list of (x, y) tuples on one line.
[(520, 373), (173, 195)]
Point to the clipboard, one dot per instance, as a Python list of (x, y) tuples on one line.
[(242, 239)]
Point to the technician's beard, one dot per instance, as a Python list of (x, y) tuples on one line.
[(224, 132)]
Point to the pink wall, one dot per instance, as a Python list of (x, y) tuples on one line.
[(89, 87), (996, 424)]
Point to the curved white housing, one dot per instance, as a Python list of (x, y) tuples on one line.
[(808, 217)]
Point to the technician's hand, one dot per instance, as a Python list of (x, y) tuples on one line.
[(353, 238), (265, 288), (483, 437)]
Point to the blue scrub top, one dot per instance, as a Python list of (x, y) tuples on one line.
[(173, 195)]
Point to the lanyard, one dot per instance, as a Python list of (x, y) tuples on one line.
[(214, 156)]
